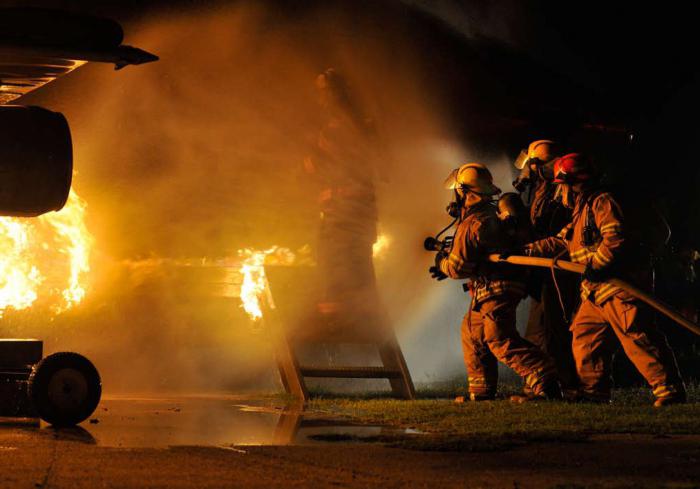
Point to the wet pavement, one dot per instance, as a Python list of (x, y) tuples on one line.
[(218, 421), (227, 441)]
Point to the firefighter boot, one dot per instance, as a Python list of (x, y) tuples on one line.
[(474, 398), (551, 391), (674, 395)]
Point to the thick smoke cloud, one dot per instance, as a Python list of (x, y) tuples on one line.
[(189, 159)]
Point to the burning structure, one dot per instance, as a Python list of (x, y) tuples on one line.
[(37, 162), (202, 154), (45, 259)]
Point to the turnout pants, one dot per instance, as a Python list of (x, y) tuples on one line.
[(548, 328), (489, 336), (595, 328)]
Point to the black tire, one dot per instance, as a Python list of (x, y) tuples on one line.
[(64, 388)]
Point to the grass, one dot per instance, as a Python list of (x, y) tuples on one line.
[(498, 424)]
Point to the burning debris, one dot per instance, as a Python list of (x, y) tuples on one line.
[(254, 283)]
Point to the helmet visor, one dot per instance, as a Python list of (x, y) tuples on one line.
[(451, 180), (521, 160)]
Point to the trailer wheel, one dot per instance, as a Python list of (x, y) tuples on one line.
[(64, 388)]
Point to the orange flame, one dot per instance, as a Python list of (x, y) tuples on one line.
[(254, 283), (45, 259), (380, 246)]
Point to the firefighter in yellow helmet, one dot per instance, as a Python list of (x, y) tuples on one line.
[(596, 237), (488, 330), (548, 320)]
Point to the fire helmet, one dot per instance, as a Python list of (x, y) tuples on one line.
[(472, 177), (510, 205), (538, 153), (573, 168)]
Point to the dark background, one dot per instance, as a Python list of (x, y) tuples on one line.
[(617, 78)]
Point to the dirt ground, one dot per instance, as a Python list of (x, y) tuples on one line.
[(217, 443)]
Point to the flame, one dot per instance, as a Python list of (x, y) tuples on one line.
[(252, 269), (74, 241), (381, 245), (254, 283), (19, 279), (45, 259)]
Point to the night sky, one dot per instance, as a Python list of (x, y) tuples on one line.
[(617, 79)]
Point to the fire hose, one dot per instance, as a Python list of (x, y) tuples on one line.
[(553, 263)]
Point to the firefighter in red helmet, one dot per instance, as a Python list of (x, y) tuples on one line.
[(596, 237)]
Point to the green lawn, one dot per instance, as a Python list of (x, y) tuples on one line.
[(490, 425)]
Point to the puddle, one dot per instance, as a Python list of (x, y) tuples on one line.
[(224, 422)]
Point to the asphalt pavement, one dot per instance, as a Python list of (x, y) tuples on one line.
[(225, 441)]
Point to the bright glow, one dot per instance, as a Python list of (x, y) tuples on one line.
[(254, 282), (381, 245), (19, 278), (75, 242), (45, 259)]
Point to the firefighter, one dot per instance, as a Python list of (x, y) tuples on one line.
[(547, 215), (488, 330), (548, 321), (596, 238)]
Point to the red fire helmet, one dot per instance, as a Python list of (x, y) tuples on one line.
[(573, 168)]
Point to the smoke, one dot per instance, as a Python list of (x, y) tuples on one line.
[(185, 161)]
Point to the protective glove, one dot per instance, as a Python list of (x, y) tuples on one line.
[(436, 271), (595, 275), (437, 274), (510, 252)]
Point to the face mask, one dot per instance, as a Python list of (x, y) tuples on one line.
[(546, 171), (524, 179), (567, 195), (474, 198), (454, 208)]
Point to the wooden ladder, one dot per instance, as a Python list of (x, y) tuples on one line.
[(394, 369), (293, 374)]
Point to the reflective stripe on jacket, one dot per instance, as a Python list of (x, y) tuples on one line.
[(595, 235), (479, 234)]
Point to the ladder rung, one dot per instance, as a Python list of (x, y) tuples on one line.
[(351, 372)]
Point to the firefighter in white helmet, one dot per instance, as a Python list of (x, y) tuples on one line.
[(548, 320), (488, 330)]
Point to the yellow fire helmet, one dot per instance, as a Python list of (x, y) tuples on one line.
[(473, 177), (542, 150)]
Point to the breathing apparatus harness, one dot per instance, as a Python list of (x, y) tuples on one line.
[(454, 210)]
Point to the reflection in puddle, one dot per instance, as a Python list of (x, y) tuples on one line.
[(225, 422)]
